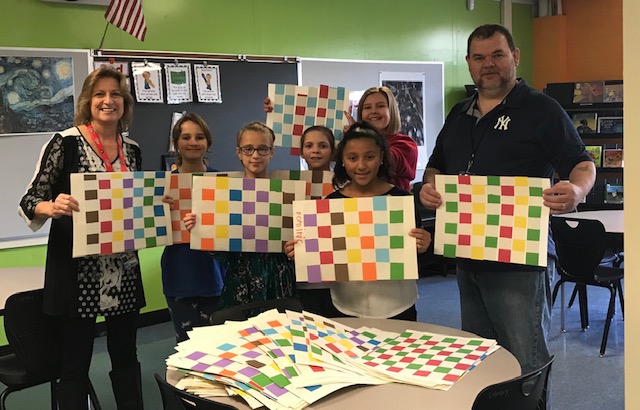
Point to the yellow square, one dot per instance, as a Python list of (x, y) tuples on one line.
[(477, 189), (117, 215), (352, 231), (222, 182), (479, 208), (522, 200), (521, 181), (477, 252), (222, 231), (117, 175), (518, 245), (520, 222), (350, 204), (118, 236), (354, 256), (222, 207), (116, 193), (477, 230)]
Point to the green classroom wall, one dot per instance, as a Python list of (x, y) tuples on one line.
[(414, 30)]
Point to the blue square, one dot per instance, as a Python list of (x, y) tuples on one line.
[(339, 115), (277, 128), (309, 121), (287, 140), (331, 104), (158, 191), (379, 203), (340, 91), (235, 195), (381, 229), (235, 219), (289, 100), (382, 255), (278, 108), (235, 245), (161, 174), (161, 231), (279, 88), (137, 212), (158, 210), (138, 233), (138, 174), (312, 102), (329, 123), (138, 192), (287, 119)]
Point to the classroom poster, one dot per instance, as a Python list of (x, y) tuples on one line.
[(208, 83), (147, 81), (178, 78)]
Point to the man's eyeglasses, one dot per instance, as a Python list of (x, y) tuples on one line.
[(248, 150)]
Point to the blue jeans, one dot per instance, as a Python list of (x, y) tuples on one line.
[(512, 307)]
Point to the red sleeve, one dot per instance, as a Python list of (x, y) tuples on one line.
[(404, 154)]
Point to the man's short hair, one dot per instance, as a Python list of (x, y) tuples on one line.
[(487, 31)]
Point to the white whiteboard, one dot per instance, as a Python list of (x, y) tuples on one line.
[(362, 74), (19, 153)]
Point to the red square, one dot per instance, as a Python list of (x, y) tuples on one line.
[(507, 210), (324, 91), (297, 129), (322, 112), (506, 232), (326, 258), (105, 226), (295, 151), (423, 373), (105, 204), (465, 218), (104, 184), (464, 240), (185, 193), (434, 362), (324, 232), (504, 255), (465, 198), (451, 377), (106, 249), (322, 206), (464, 180), (507, 190), (407, 359), (300, 110)]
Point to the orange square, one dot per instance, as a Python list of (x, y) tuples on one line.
[(174, 182), (369, 271), (207, 219), (367, 242), (366, 217), (175, 225), (185, 193), (206, 244), (208, 194), (186, 236)]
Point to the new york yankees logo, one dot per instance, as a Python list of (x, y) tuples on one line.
[(502, 123)]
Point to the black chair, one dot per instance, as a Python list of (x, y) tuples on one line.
[(580, 246), (527, 392), (247, 310), (36, 354), (176, 399)]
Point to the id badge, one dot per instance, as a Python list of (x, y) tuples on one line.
[(129, 260)]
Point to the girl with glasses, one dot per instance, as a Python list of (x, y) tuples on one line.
[(253, 276)]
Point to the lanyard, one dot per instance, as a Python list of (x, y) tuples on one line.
[(103, 153)]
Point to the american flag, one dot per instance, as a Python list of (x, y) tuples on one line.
[(127, 15)]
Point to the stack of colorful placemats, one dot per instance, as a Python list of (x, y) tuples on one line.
[(292, 359)]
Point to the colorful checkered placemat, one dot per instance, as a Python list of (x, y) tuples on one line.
[(296, 108), (494, 218), (243, 214), (355, 239), (120, 211), (319, 183)]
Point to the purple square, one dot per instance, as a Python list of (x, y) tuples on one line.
[(128, 224), (129, 245), (127, 202), (262, 196), (313, 274), (249, 184), (277, 353), (262, 220), (249, 372), (196, 355), (201, 367), (262, 245), (223, 363), (276, 390), (127, 183), (310, 220), (251, 354), (249, 208), (248, 232), (311, 245)]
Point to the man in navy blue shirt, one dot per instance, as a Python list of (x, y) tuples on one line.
[(508, 129)]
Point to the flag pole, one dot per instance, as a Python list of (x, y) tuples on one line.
[(103, 36)]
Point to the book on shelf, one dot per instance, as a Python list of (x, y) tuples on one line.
[(595, 152), (585, 122), (588, 92), (613, 158), (608, 125), (613, 93), (614, 194)]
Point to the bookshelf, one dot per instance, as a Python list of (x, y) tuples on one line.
[(601, 123)]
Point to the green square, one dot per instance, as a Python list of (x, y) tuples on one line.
[(149, 182), (275, 234), (535, 211), (533, 234), (147, 200), (397, 271), (275, 209), (151, 242), (535, 191), (297, 333), (491, 242), (389, 362), (275, 185), (449, 251), (402, 354), (396, 217), (451, 206), (450, 228), (493, 180), (532, 259), (294, 175), (450, 188), (465, 351), (261, 379), (414, 366), (474, 342), (493, 199), (425, 356), (493, 220), (149, 222), (452, 359), (280, 379), (396, 242), (442, 369), (282, 342), (449, 340)]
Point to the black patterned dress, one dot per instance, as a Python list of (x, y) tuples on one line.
[(86, 286)]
